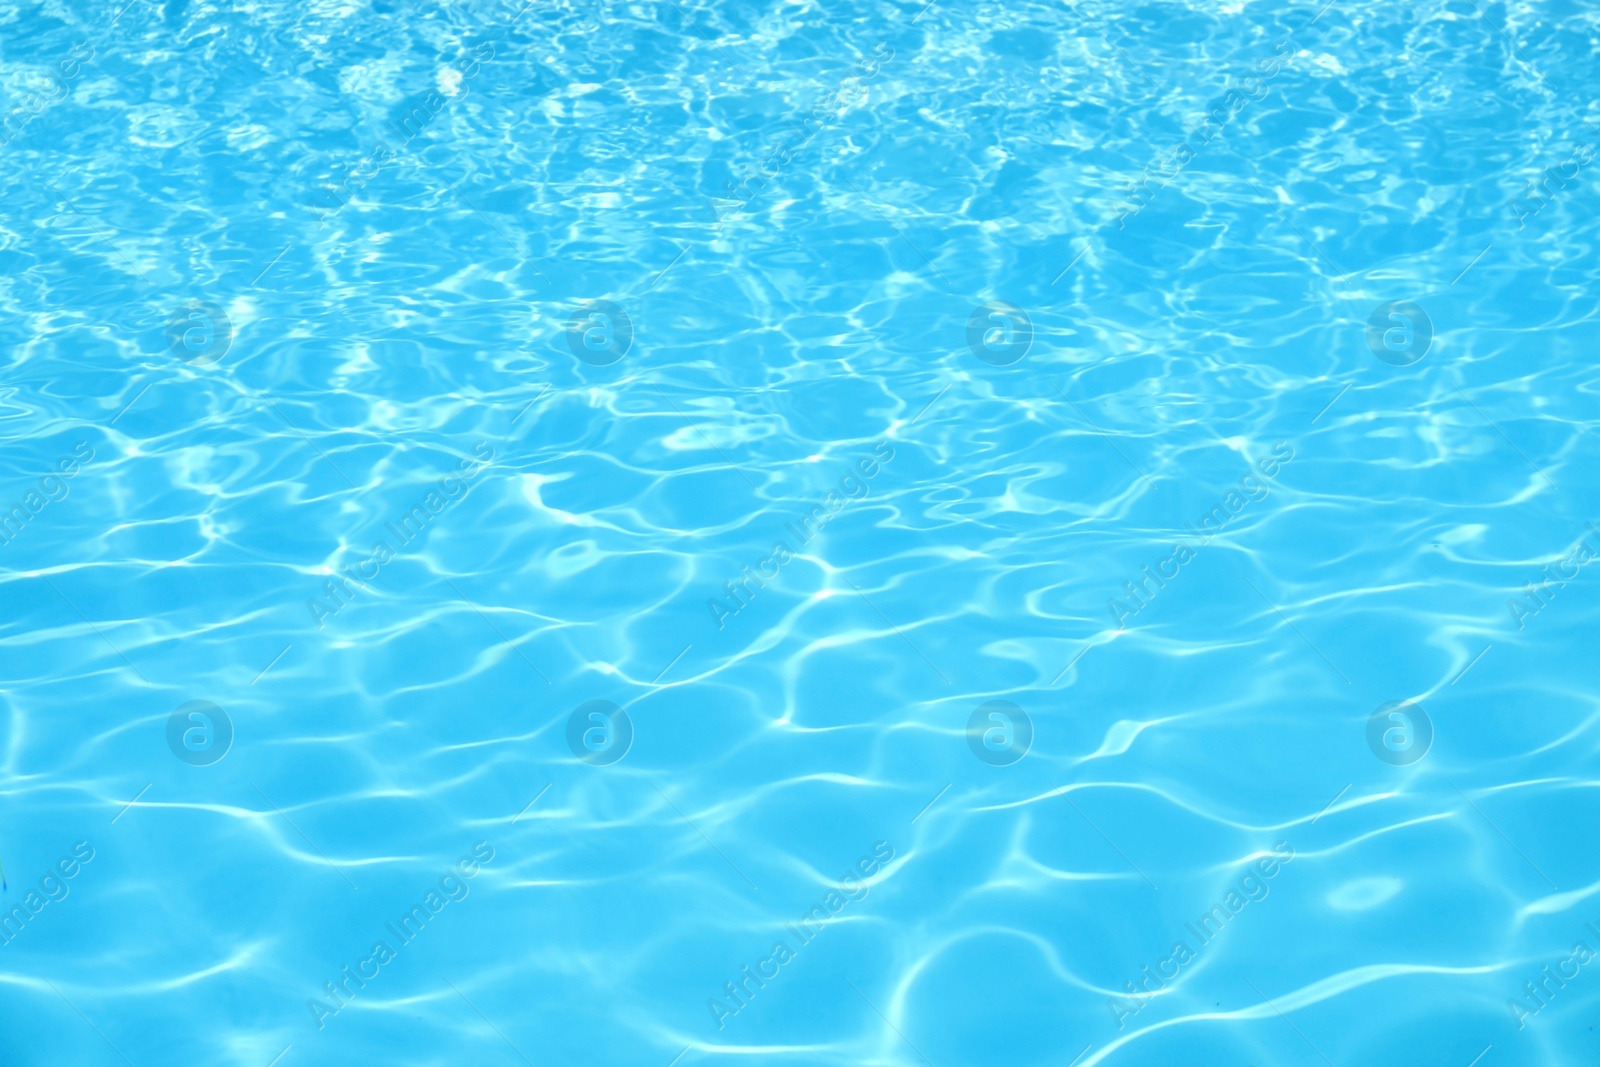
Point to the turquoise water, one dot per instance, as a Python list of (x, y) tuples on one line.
[(859, 534)]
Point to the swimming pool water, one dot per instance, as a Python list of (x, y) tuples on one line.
[(872, 533)]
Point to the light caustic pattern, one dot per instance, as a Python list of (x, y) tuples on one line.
[(817, 534)]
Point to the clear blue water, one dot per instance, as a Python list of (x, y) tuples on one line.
[(867, 533)]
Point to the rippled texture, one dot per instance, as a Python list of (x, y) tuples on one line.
[(814, 232)]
